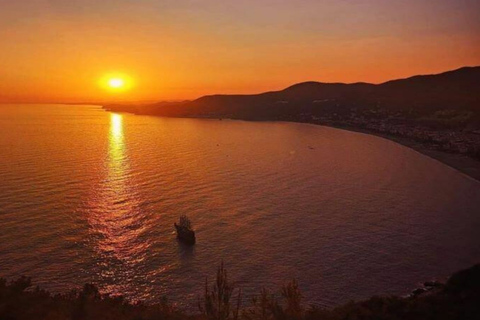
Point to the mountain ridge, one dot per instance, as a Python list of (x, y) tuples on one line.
[(451, 89), (415, 96)]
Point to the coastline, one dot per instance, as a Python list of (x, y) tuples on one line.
[(463, 164)]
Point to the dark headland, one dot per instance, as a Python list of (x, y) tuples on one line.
[(437, 115)]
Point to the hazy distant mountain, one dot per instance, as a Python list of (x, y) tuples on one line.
[(415, 96)]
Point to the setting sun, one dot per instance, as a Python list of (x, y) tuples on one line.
[(116, 83)]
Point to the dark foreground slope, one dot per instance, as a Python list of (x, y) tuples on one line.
[(458, 299)]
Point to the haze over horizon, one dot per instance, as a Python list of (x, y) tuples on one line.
[(58, 51)]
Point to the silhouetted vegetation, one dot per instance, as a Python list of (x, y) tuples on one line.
[(19, 300), (216, 304), (457, 299)]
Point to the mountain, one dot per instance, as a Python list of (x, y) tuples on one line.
[(418, 96)]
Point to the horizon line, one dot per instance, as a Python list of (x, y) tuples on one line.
[(127, 101)]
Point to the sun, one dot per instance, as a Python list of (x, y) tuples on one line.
[(116, 83)]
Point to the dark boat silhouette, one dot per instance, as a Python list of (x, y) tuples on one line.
[(185, 233)]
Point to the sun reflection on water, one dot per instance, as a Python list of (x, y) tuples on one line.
[(115, 217), (116, 128), (117, 163)]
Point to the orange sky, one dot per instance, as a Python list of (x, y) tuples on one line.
[(57, 50)]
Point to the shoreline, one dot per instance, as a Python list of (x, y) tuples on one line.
[(463, 164)]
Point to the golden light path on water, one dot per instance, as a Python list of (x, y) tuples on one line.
[(89, 196), (116, 219)]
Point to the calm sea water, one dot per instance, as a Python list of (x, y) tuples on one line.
[(91, 196)]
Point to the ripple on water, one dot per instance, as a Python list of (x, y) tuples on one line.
[(93, 199)]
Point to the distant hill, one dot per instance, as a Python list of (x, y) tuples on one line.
[(412, 97)]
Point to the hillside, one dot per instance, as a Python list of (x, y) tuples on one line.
[(457, 90)]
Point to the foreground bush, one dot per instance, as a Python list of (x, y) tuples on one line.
[(459, 299)]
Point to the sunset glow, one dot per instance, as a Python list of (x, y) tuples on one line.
[(174, 51), (146, 144)]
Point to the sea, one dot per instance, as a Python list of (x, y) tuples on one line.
[(90, 196)]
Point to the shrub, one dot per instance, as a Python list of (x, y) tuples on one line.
[(216, 302)]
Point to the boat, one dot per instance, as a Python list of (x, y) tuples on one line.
[(185, 232)]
